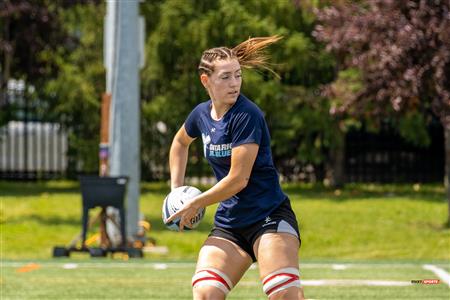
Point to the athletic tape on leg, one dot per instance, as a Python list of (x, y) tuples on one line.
[(281, 280), (212, 277)]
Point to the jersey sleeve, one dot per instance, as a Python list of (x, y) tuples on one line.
[(247, 129), (191, 123)]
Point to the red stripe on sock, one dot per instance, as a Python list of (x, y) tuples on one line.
[(219, 278), (280, 285), (215, 276), (204, 278), (286, 274)]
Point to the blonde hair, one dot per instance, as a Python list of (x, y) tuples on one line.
[(249, 53)]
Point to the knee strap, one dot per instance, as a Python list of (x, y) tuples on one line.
[(212, 277), (281, 280)]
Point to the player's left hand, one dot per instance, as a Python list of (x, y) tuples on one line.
[(186, 213)]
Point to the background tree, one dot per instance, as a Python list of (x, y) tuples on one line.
[(55, 47), (297, 116), (60, 54), (402, 49), (27, 28), (73, 96)]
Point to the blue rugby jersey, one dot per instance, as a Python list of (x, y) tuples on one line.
[(243, 123)]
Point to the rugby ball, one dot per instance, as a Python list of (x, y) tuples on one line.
[(175, 200)]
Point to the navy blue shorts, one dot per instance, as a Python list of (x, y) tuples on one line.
[(281, 219)]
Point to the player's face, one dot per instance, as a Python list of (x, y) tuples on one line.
[(224, 84)]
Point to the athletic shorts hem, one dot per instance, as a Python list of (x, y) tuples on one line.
[(282, 219)]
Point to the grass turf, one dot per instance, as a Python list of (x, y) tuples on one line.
[(107, 279), (393, 223), (357, 222)]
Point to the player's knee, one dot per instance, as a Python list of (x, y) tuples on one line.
[(210, 284), (208, 293), (282, 280)]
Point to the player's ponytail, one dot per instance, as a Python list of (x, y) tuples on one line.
[(249, 53)]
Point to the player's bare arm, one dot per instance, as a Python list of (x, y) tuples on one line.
[(242, 160), (178, 157)]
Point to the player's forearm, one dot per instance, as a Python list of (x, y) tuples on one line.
[(229, 186), (177, 163)]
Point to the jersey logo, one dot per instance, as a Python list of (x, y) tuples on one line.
[(220, 150), (206, 140)]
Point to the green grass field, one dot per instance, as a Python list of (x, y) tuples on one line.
[(143, 280), (351, 238)]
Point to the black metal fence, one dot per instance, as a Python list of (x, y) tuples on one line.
[(386, 157), (33, 147)]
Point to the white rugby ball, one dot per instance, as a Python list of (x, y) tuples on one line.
[(174, 201)]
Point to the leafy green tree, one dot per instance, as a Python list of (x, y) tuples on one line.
[(178, 31), (402, 49), (296, 113), (27, 28), (56, 48), (74, 94)]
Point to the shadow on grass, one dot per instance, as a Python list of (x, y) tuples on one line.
[(29, 189), (352, 192), (24, 189), (433, 226), (45, 220)]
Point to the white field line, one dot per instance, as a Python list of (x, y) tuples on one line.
[(442, 274), (339, 267), (342, 282), (350, 282), (187, 265), (343, 266), (103, 265)]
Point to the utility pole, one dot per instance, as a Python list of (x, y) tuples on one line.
[(123, 58)]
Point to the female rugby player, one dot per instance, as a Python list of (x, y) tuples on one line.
[(254, 220)]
